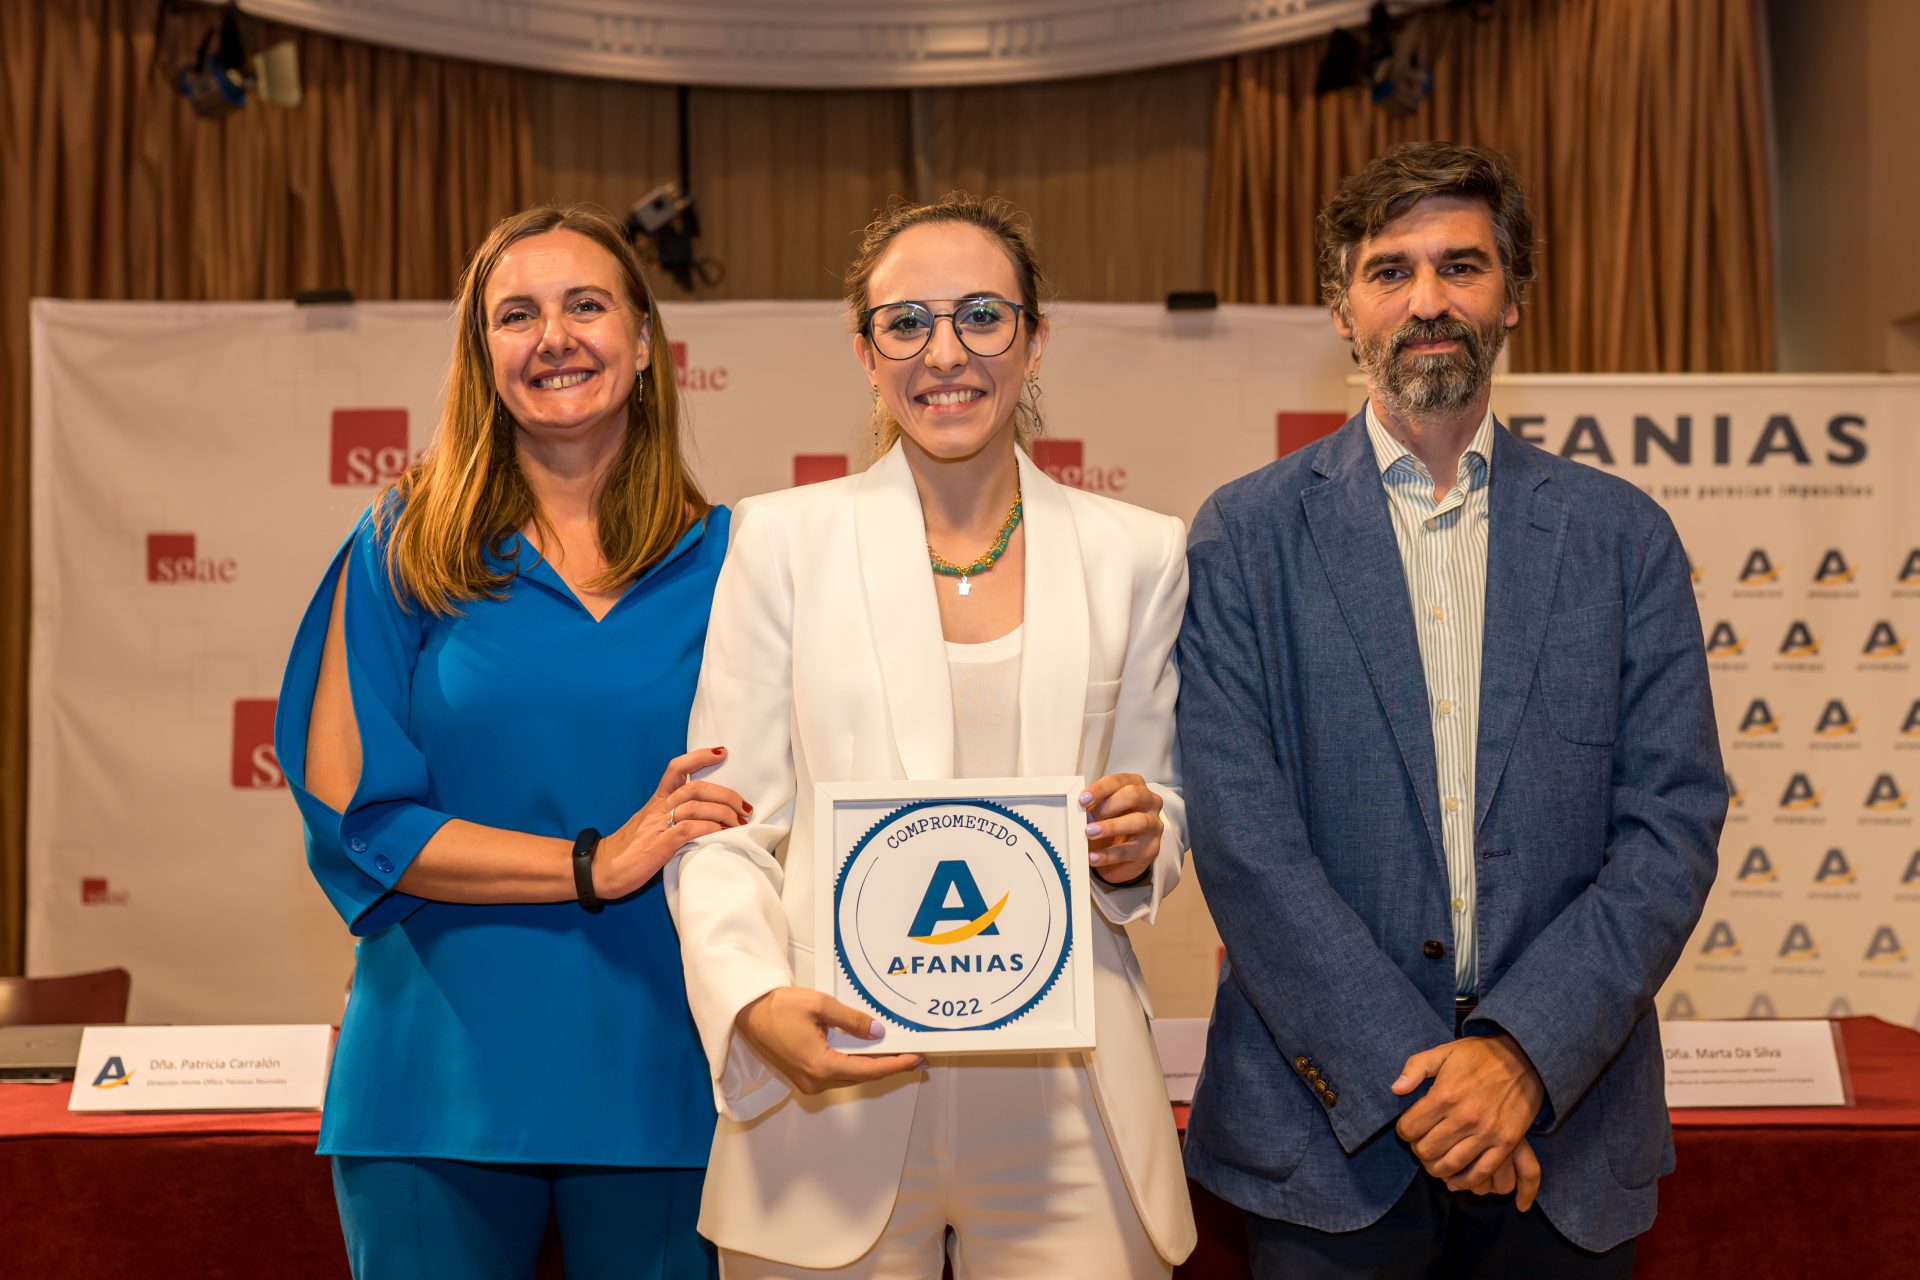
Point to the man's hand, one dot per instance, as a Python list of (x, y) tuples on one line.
[(788, 1027), (1518, 1177), (1485, 1096)]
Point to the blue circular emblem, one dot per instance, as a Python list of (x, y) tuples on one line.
[(952, 915)]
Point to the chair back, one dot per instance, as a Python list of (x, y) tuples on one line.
[(85, 998)]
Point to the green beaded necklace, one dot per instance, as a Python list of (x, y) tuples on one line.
[(946, 567)]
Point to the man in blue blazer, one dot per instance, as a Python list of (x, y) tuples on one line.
[(1454, 785)]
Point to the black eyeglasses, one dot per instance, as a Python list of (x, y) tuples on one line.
[(901, 330)]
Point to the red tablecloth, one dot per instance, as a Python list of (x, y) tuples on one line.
[(166, 1195), (1786, 1192), (162, 1195), (1777, 1193)]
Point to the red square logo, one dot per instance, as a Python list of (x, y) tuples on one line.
[(94, 889), (679, 350), (255, 767), (369, 446), (811, 468), (1064, 460), (170, 557), (1294, 430)]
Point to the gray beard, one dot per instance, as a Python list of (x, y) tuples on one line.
[(1443, 383)]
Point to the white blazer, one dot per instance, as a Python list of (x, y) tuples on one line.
[(825, 662)]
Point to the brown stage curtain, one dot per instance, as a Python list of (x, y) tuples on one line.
[(381, 182), (1639, 126), (1112, 171)]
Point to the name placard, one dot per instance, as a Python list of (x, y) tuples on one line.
[(957, 913), (266, 1068), (1760, 1062)]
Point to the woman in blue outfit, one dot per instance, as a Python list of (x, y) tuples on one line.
[(495, 668)]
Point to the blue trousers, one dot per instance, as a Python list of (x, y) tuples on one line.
[(408, 1219)]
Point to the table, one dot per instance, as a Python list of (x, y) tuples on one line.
[(1758, 1194), (216, 1197)]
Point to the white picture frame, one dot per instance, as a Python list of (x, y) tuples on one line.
[(958, 913)]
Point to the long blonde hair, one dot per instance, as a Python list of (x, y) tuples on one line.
[(467, 496)]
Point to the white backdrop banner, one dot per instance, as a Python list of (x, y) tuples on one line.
[(196, 464), (1791, 496)]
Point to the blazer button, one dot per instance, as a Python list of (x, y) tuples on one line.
[(1331, 1098), (1313, 1074), (1432, 949), (1301, 1063), (382, 864)]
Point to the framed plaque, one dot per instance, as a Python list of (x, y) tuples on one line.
[(956, 913)]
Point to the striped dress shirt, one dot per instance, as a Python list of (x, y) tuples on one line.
[(1443, 548)]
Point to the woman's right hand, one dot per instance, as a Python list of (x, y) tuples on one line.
[(788, 1028), (680, 810)]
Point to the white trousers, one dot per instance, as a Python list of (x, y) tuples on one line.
[(1008, 1150)]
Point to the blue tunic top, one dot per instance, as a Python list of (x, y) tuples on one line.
[(531, 1033)]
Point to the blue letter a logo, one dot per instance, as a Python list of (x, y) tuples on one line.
[(112, 1073), (953, 880)]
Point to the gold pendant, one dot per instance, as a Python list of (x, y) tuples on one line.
[(965, 588)]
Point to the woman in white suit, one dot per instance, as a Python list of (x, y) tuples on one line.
[(951, 612)]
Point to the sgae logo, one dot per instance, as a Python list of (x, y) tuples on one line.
[(1720, 939), (1912, 873), (1799, 642), (811, 468), (1834, 721), (96, 892), (1681, 1006), (1761, 1006), (1759, 720), (369, 446), (1885, 948), (1297, 430), (1884, 642), (1065, 461), (1834, 570), (1758, 570), (172, 557), (255, 766), (1758, 867), (1834, 869), (1799, 795), (1723, 641), (1885, 795), (688, 376), (1910, 567), (1799, 944), (1910, 727), (113, 1074)]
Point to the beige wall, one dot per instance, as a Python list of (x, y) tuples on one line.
[(1847, 111)]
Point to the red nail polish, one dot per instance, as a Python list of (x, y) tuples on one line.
[(747, 806), (719, 751)]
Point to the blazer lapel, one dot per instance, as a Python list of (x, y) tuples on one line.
[(1055, 656), (1353, 532), (905, 617), (1527, 532)]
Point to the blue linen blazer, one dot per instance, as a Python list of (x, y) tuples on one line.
[(1599, 794)]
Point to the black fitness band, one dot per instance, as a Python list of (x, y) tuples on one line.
[(584, 846)]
